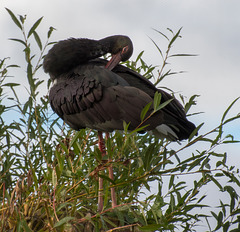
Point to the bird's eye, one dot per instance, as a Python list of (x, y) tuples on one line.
[(125, 49)]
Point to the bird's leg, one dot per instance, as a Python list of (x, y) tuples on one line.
[(101, 145), (110, 171), (102, 148)]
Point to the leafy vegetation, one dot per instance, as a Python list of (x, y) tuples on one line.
[(49, 172)]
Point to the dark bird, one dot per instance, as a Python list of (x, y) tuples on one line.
[(89, 92)]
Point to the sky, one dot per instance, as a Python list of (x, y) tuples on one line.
[(210, 29)]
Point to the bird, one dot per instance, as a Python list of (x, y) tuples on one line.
[(90, 92)]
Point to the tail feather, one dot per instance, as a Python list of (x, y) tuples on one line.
[(172, 132)]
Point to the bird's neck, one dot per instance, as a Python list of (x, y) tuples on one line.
[(107, 44)]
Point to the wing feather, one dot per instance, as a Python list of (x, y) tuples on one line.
[(94, 97)]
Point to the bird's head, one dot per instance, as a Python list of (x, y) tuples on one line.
[(121, 50)]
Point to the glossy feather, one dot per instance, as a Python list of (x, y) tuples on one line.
[(87, 95)]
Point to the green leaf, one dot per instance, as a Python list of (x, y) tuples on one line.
[(74, 138), (190, 103), (25, 226), (227, 110), (195, 131), (63, 221), (171, 181), (30, 76), (163, 104), (175, 37), (159, 50), (148, 156), (182, 55), (14, 18), (54, 177), (19, 40), (38, 40), (51, 29), (139, 56), (216, 182), (219, 220), (151, 227), (156, 100), (11, 84), (145, 110), (35, 25), (161, 33), (231, 119)]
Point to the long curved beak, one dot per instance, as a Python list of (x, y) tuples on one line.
[(116, 58)]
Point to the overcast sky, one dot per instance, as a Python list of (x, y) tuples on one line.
[(211, 29)]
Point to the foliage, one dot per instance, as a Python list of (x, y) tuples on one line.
[(49, 172)]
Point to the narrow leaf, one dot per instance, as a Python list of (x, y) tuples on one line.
[(54, 178), (11, 84), (160, 51), (151, 227), (30, 75), (182, 55), (163, 104), (149, 153), (25, 226), (19, 40), (195, 132), (157, 100), (171, 181), (51, 29), (174, 37), (14, 18), (35, 25), (63, 221), (38, 40), (161, 33), (145, 110), (227, 110), (139, 56)]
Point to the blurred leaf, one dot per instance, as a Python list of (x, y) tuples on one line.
[(182, 55), (63, 221), (148, 156), (54, 177), (51, 29), (151, 227), (25, 226)]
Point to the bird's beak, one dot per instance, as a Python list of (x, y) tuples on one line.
[(116, 58)]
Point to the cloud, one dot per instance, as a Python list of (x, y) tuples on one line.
[(207, 31)]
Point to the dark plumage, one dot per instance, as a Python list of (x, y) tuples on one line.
[(87, 94)]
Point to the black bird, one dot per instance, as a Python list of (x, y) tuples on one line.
[(89, 92)]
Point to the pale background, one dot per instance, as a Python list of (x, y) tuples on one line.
[(211, 29)]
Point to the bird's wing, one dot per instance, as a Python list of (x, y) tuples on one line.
[(172, 118), (135, 79), (95, 97)]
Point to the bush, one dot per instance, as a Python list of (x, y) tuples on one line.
[(49, 172)]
